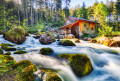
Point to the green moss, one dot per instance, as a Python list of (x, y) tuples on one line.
[(46, 51), (1, 51), (8, 53), (66, 43), (81, 64), (12, 71), (6, 57), (7, 44), (16, 32), (51, 76), (20, 52), (22, 64), (6, 48)]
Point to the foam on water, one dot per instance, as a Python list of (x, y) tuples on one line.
[(106, 65)]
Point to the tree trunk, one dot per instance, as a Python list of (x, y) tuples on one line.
[(31, 14)]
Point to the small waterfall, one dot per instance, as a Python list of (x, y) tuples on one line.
[(50, 63), (106, 64)]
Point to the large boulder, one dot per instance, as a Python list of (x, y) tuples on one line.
[(66, 43), (102, 39), (46, 51), (47, 39), (16, 35), (81, 64)]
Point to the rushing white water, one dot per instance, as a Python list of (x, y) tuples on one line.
[(106, 64)]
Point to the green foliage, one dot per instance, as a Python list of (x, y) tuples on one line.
[(32, 30), (81, 64), (66, 43), (46, 51), (105, 31), (100, 13), (25, 24), (82, 13), (20, 52)]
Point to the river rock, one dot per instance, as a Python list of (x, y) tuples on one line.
[(66, 43), (102, 39), (116, 38), (47, 39), (46, 51), (93, 41), (70, 36), (49, 75), (81, 64), (115, 44), (16, 35), (77, 41)]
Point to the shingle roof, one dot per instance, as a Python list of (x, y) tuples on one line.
[(71, 20)]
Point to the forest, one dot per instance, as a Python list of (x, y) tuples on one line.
[(57, 40), (34, 13)]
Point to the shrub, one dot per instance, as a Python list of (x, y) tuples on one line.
[(46, 51), (105, 31), (66, 43), (32, 30)]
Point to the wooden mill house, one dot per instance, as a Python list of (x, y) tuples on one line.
[(78, 26)]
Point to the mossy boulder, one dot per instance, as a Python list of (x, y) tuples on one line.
[(20, 52), (12, 71), (16, 35), (7, 48), (46, 51), (1, 51), (50, 75), (66, 43), (8, 53), (81, 64)]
